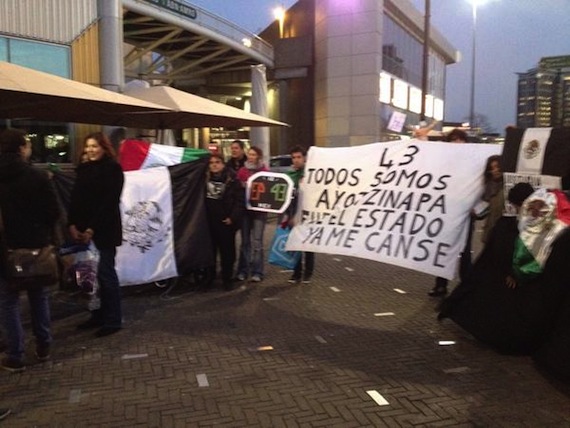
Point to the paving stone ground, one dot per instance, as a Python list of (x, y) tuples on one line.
[(187, 359)]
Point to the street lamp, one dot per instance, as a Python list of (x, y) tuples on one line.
[(279, 14), (425, 58), (474, 4)]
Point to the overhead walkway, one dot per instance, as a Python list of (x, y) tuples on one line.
[(178, 43)]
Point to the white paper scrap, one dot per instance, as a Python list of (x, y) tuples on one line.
[(133, 356), (397, 290), (336, 290), (336, 259), (202, 380), (376, 396), (446, 342), (269, 299), (349, 269), (320, 339), (384, 314)]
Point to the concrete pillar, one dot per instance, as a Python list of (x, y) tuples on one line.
[(348, 62), (111, 44), (259, 135)]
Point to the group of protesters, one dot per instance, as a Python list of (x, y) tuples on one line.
[(30, 212), (227, 212)]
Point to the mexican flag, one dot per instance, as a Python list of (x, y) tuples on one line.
[(541, 151), (165, 228), (544, 215), (136, 154)]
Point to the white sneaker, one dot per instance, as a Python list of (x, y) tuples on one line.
[(256, 278)]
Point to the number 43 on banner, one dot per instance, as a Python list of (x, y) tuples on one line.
[(269, 192)]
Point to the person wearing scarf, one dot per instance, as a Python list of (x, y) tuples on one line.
[(251, 252)]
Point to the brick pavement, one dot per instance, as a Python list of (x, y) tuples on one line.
[(190, 359)]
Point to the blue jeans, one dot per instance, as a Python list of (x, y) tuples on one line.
[(110, 313), (11, 319), (251, 251)]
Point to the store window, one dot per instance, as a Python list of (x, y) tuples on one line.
[(50, 141), (3, 49), (45, 57)]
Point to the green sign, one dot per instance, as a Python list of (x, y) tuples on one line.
[(176, 7)]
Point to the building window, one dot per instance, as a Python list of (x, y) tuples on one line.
[(44, 57), (50, 141)]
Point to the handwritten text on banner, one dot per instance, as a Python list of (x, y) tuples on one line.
[(405, 202)]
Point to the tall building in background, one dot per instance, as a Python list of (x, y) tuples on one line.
[(544, 94), (338, 71), (346, 68)]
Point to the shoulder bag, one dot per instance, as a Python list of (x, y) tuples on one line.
[(28, 268)]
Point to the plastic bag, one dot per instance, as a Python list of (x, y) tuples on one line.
[(277, 253), (83, 261)]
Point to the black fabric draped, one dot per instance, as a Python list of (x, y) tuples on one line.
[(533, 318)]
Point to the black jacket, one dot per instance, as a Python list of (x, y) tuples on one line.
[(28, 202), (225, 198), (95, 201), (236, 164)]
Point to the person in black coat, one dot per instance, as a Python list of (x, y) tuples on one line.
[(94, 214), (225, 207), (29, 212)]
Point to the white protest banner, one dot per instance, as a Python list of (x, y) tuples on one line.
[(405, 203)]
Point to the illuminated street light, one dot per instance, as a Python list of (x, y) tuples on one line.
[(279, 14)]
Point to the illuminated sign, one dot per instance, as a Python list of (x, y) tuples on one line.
[(415, 100), (429, 105), (385, 88), (400, 98), (438, 109)]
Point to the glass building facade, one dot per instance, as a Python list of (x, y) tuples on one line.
[(401, 82)]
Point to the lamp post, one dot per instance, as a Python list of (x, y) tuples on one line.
[(474, 4), (473, 52), (425, 58)]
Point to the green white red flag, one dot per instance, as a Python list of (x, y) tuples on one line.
[(137, 154), (544, 215)]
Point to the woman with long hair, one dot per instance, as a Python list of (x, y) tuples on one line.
[(94, 214), (493, 194), (253, 226), (225, 207)]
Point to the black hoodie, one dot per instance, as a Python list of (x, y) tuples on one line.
[(28, 202)]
